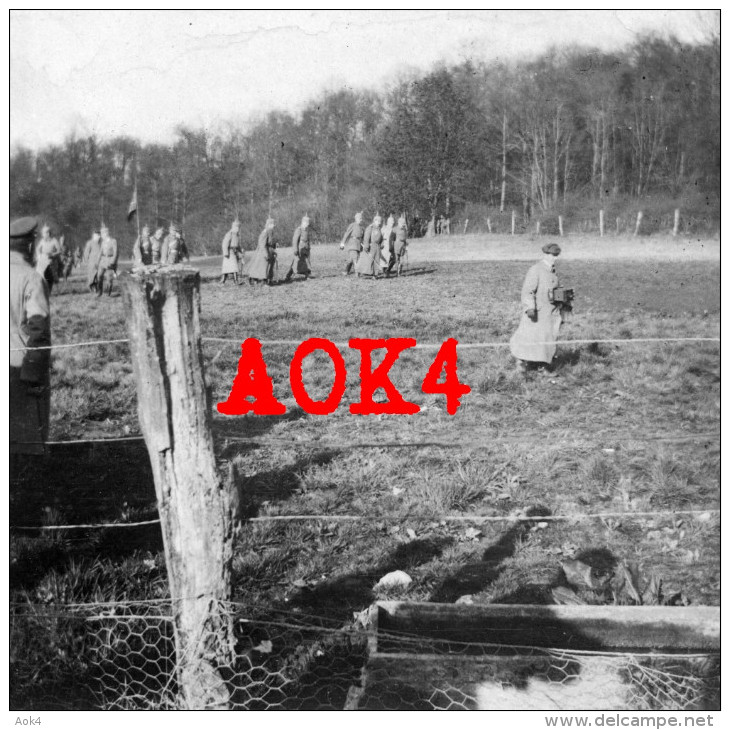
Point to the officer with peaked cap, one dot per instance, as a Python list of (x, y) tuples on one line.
[(108, 259), (30, 327), (174, 249), (534, 341)]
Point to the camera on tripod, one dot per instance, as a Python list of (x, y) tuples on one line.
[(562, 296)]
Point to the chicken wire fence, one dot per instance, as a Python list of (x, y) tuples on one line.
[(122, 656)]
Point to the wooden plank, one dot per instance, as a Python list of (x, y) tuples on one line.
[(607, 628)]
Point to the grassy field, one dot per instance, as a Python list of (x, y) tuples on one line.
[(588, 437)]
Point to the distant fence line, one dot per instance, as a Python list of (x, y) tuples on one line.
[(418, 346), (702, 514)]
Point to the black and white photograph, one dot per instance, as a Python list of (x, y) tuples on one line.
[(365, 360)]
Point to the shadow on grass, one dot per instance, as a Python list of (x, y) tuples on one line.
[(274, 484), (340, 597), (477, 576)]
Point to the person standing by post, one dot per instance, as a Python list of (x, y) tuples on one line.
[(174, 249), (352, 242), (30, 327), (108, 258), (369, 262), (142, 251), (92, 252), (264, 258), (534, 341), (157, 241), (48, 256), (232, 253), (301, 245)]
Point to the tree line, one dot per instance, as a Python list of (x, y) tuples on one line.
[(572, 128)]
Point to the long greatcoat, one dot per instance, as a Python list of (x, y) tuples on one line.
[(535, 341), (30, 326), (92, 253), (264, 258), (231, 251), (352, 241), (369, 262), (300, 244)]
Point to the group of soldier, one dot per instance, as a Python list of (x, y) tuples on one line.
[(367, 247), (371, 251)]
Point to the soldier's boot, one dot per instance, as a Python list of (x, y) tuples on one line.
[(288, 275)]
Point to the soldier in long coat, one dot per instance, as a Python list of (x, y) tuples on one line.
[(232, 252), (264, 258), (142, 250), (48, 254), (30, 326), (92, 253), (534, 340), (157, 241), (352, 243), (387, 253), (369, 262), (174, 249), (400, 244), (108, 258), (300, 263)]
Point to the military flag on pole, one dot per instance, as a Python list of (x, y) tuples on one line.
[(133, 204)]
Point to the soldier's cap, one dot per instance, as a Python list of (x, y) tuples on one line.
[(23, 227), (551, 248)]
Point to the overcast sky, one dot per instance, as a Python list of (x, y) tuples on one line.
[(142, 73)]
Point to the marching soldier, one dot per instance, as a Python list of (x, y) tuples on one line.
[(174, 249), (369, 262), (387, 252), (92, 253), (232, 253), (142, 251), (264, 258), (30, 326), (301, 245), (48, 256), (534, 341), (108, 258), (352, 241), (400, 244)]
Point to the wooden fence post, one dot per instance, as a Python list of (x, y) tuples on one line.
[(560, 225), (675, 230), (600, 222), (639, 216), (195, 505), (513, 223)]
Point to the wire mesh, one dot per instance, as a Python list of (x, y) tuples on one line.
[(123, 656)]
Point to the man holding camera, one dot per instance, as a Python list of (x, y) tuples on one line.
[(543, 304)]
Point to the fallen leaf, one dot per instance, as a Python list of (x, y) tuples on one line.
[(465, 600), (577, 573), (397, 491), (265, 647), (411, 533), (566, 596)]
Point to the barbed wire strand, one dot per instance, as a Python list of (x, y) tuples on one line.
[(418, 346), (374, 518)]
